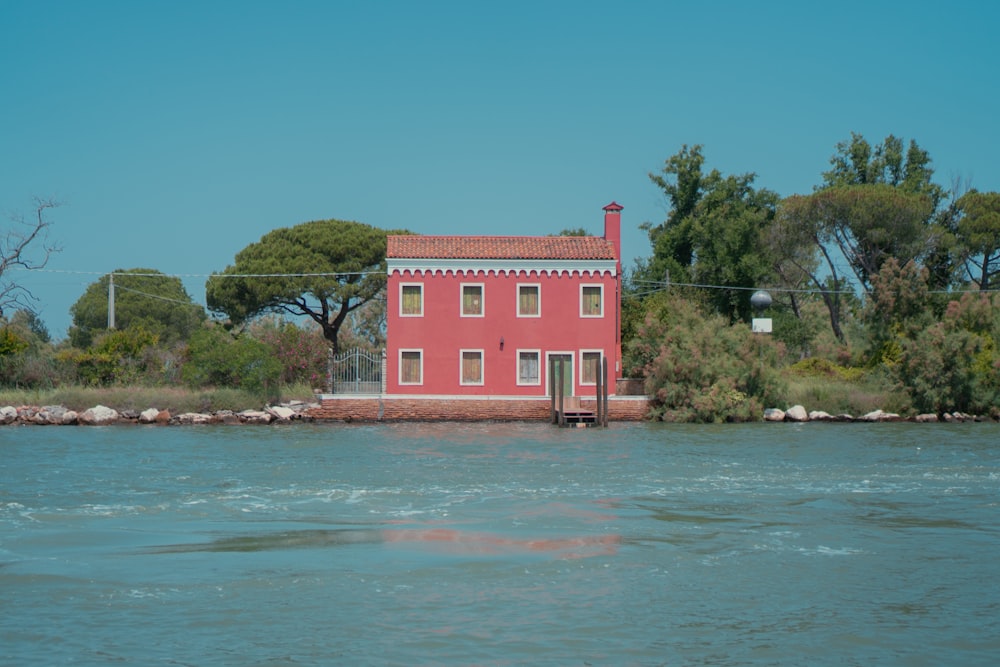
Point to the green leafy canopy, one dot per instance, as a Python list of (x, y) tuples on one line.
[(142, 297), (322, 269)]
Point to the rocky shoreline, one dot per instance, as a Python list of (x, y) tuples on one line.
[(797, 413), (100, 415)]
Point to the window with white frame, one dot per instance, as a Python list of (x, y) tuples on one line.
[(592, 301), (472, 300), (528, 372), (590, 366), (411, 367), (411, 300), (529, 300), (472, 367)]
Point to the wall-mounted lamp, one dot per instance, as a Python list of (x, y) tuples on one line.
[(501, 343)]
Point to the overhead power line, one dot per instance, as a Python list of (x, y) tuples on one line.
[(209, 275), (660, 286), (119, 288), (813, 290), (663, 286)]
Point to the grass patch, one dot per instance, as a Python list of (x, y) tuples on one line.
[(839, 396), (820, 384), (175, 399)]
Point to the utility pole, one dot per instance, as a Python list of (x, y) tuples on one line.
[(111, 301)]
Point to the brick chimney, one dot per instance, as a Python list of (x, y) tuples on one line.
[(613, 229)]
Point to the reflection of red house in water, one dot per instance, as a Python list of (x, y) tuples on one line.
[(483, 315), (473, 323)]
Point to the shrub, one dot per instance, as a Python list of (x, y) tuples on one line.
[(954, 364), (117, 357), (302, 352), (698, 368), (215, 358)]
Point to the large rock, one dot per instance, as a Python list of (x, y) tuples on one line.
[(255, 417), (8, 414), (227, 417), (796, 413), (280, 412), (880, 416), (774, 415), (820, 416), (195, 418), (55, 414), (99, 415)]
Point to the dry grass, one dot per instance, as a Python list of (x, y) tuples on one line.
[(174, 399), (839, 396)]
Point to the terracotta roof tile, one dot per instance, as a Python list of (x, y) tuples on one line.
[(500, 247)]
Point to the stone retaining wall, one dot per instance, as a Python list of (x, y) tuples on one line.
[(385, 408)]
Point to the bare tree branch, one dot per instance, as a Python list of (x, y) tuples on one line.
[(25, 246)]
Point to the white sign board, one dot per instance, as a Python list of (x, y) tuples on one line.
[(761, 325)]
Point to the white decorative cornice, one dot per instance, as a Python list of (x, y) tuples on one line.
[(589, 267)]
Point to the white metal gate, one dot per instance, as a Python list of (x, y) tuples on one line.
[(358, 371)]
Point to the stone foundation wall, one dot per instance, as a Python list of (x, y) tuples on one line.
[(385, 408)]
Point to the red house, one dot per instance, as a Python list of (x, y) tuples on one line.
[(483, 315), (473, 322)]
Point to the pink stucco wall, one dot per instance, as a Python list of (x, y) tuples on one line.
[(441, 333)]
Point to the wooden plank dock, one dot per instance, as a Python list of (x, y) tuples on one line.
[(566, 410)]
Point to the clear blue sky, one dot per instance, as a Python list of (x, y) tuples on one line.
[(177, 133)]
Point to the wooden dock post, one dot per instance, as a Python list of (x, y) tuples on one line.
[(598, 394), (562, 392), (603, 412), (553, 416)]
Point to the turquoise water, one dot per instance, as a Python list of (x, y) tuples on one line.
[(500, 544)]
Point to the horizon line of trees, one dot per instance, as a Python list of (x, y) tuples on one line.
[(878, 268), (900, 268)]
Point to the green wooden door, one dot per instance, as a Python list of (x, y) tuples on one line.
[(565, 362)]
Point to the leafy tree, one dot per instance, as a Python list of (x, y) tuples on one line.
[(868, 224), (978, 233), (857, 162), (25, 246), (322, 270), (793, 251), (713, 232), (683, 183), (873, 207), (729, 224), (909, 170), (144, 297)]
